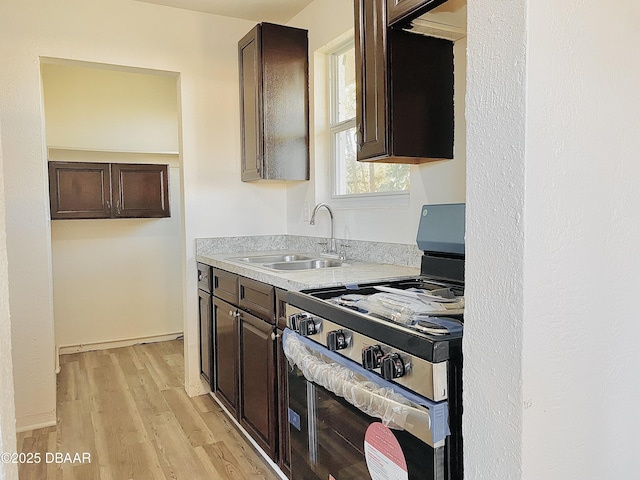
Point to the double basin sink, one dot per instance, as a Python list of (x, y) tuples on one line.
[(291, 262)]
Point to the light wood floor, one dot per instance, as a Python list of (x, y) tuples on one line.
[(127, 407)]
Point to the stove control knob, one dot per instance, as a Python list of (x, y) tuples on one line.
[(372, 357), (392, 366), (309, 326), (337, 340), (294, 321)]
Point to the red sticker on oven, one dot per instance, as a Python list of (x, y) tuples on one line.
[(385, 459)]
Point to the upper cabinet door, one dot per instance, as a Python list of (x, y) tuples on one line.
[(371, 78), (79, 190), (399, 10), (250, 104), (140, 191), (404, 90), (274, 103)]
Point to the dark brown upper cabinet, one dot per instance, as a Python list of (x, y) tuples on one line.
[(404, 91), (140, 191), (274, 103), (80, 190), (406, 10), (105, 190)]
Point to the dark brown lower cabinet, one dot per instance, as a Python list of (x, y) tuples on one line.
[(226, 354), (257, 381), (206, 340), (250, 370)]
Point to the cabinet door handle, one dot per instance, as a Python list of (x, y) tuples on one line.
[(274, 335), (359, 136)]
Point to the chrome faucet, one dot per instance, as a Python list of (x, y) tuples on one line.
[(332, 241)]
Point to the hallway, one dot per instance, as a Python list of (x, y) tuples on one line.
[(128, 410)]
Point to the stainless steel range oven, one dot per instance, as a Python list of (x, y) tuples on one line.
[(376, 388)]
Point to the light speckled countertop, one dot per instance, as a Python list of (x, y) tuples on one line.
[(357, 271)]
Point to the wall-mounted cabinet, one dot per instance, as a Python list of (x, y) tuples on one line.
[(404, 90), (82, 190), (274, 103)]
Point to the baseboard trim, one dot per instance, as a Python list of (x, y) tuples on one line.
[(123, 342), (35, 422)]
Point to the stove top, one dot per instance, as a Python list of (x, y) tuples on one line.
[(418, 304), (422, 316), (379, 311)]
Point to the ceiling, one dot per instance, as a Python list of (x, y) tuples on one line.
[(276, 11)]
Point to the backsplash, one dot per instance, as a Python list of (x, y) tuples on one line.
[(379, 252)]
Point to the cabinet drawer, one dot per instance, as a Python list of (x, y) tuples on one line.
[(225, 285), (258, 298), (204, 277)]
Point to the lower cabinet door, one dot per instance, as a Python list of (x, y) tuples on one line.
[(206, 341), (258, 413), (226, 354)]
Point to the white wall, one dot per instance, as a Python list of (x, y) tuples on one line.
[(114, 279), (551, 379), (582, 225), (8, 471), (118, 279), (202, 49), (438, 182), (494, 310), (90, 106)]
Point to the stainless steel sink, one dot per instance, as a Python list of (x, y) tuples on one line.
[(305, 264), (273, 258)]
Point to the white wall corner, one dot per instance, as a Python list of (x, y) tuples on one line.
[(493, 341)]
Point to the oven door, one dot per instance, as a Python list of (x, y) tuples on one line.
[(363, 433)]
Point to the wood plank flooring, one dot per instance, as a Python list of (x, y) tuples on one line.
[(127, 408)]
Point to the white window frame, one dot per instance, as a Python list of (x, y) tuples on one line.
[(335, 127)]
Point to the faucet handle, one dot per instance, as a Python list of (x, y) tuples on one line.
[(343, 252), (324, 249)]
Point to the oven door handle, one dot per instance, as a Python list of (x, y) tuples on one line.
[(427, 421)]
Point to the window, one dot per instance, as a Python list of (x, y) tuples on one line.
[(351, 177)]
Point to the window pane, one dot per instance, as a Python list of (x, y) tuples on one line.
[(353, 177), (346, 87), (350, 176)]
